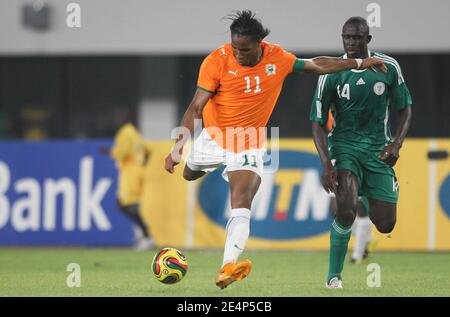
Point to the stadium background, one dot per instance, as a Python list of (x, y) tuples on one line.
[(65, 91)]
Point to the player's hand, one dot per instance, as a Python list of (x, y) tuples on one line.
[(390, 154), (329, 178), (372, 62), (171, 163)]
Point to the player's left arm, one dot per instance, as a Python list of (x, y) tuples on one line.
[(400, 100), (391, 152), (325, 65)]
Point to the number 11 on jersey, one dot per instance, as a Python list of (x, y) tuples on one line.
[(246, 160), (248, 84)]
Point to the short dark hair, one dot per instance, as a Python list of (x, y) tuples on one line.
[(245, 24), (358, 21)]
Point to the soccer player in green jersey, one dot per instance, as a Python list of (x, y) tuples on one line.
[(359, 153)]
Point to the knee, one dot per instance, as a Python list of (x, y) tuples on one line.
[(241, 200), (190, 175), (187, 176), (346, 218), (385, 227), (346, 213)]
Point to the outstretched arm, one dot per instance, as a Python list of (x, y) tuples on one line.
[(194, 111), (329, 177), (391, 152), (324, 65)]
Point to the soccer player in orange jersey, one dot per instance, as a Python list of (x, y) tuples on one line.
[(237, 89)]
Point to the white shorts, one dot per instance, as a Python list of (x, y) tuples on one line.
[(206, 155)]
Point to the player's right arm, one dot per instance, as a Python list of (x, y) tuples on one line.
[(329, 177), (319, 117), (207, 84), (194, 111)]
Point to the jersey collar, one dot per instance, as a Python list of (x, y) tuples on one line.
[(358, 70), (368, 52)]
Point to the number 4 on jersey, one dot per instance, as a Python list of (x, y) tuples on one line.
[(345, 93)]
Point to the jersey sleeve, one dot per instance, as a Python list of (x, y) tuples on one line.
[(208, 78), (400, 96), (323, 98), (295, 65), (299, 65)]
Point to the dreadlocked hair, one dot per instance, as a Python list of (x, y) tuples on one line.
[(245, 24)]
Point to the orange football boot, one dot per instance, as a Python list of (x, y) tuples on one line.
[(232, 272)]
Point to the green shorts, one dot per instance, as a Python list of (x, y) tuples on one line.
[(376, 180)]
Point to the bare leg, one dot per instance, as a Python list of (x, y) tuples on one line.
[(243, 185), (383, 215), (346, 197)]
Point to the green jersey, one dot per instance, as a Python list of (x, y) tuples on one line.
[(358, 100)]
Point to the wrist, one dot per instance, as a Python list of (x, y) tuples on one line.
[(327, 163), (359, 62), (398, 143)]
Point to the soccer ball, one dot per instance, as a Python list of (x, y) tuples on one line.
[(169, 266)]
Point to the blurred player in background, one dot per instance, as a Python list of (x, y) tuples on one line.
[(360, 142), (237, 89), (364, 243), (131, 155)]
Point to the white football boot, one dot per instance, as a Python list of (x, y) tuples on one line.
[(335, 282), (145, 244)]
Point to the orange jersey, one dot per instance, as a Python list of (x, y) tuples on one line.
[(330, 121), (244, 96)]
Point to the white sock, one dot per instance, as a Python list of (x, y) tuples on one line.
[(363, 230), (238, 231)]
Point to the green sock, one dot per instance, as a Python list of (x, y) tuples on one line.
[(339, 238)]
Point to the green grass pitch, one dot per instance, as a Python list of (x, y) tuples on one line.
[(124, 272)]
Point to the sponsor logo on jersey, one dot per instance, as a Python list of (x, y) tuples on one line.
[(379, 88), (444, 195), (290, 203), (360, 82), (271, 69)]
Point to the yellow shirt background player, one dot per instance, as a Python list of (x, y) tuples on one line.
[(131, 154)]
